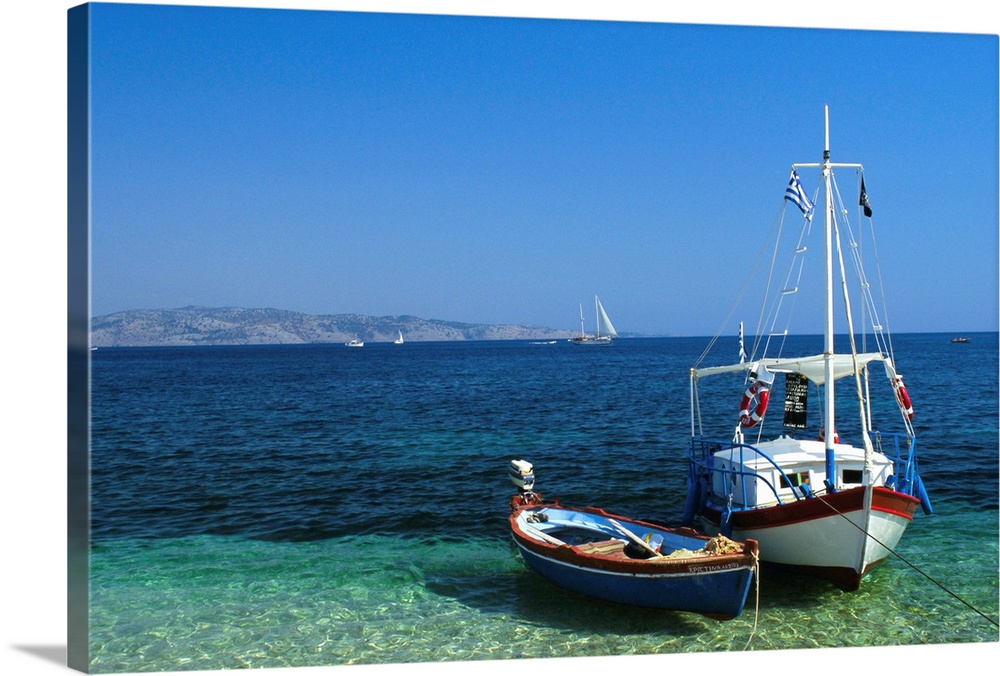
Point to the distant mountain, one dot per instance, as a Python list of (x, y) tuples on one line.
[(242, 326)]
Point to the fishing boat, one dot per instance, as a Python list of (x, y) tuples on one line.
[(605, 329), (399, 341), (961, 339), (355, 343), (621, 560), (830, 494)]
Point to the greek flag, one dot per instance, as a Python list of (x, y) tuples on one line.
[(795, 194)]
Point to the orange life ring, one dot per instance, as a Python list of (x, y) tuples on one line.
[(757, 390), (903, 398), (822, 435)]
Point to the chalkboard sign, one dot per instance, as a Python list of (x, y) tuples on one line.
[(796, 395)]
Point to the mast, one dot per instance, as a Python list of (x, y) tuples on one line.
[(830, 419), (597, 313), (829, 409), (828, 353)]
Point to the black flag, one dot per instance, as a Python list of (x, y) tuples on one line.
[(864, 199)]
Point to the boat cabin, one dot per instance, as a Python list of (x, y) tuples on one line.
[(751, 476)]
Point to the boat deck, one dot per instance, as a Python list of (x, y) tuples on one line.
[(615, 550)]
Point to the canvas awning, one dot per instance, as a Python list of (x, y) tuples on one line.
[(812, 367)]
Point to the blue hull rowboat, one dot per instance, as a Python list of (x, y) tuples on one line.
[(617, 559)]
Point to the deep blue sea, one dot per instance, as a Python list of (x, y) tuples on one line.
[(317, 505)]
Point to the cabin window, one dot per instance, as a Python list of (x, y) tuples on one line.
[(796, 479), (728, 476), (851, 476)]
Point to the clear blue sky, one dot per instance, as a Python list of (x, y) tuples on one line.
[(504, 170)]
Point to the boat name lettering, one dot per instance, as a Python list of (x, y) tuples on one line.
[(712, 569)]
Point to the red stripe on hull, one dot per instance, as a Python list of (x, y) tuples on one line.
[(891, 502), (846, 579), (844, 502)]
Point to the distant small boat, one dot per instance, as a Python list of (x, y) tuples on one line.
[(605, 330), (621, 560), (399, 341), (355, 343), (543, 342), (961, 339)]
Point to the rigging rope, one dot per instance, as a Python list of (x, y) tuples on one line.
[(776, 223)]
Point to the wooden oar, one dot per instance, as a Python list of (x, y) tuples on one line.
[(633, 537), (542, 534)]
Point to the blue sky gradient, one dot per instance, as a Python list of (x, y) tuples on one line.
[(503, 170), (686, 169)]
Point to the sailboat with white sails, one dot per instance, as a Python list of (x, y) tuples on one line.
[(815, 502), (605, 329)]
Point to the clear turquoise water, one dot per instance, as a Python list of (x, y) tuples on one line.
[(314, 505)]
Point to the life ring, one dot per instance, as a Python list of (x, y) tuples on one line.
[(903, 398), (822, 435), (758, 391)]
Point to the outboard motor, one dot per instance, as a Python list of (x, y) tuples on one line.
[(523, 475)]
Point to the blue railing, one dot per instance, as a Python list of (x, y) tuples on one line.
[(907, 478), (702, 459), (702, 471)]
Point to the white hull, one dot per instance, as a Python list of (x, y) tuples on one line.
[(826, 542), (590, 341), (826, 539)]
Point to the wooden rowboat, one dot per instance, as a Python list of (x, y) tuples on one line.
[(623, 560)]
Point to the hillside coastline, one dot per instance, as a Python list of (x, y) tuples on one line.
[(268, 326)]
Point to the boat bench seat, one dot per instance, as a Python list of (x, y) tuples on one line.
[(604, 547)]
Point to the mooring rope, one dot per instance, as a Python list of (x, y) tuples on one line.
[(756, 608), (911, 565)]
